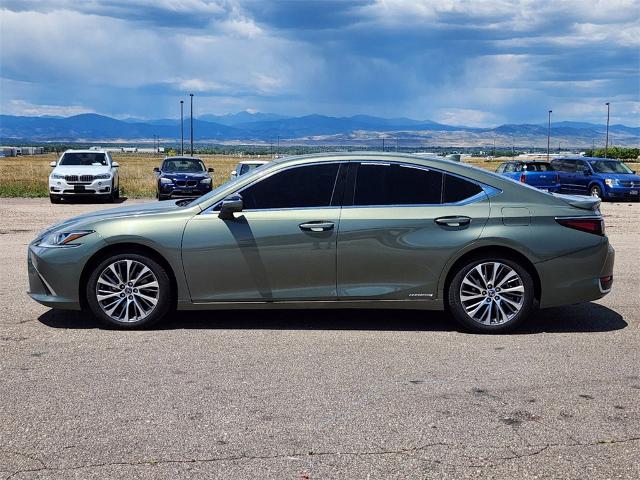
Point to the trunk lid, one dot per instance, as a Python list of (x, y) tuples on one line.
[(582, 202)]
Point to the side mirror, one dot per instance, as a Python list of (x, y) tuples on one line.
[(230, 205), (156, 170), (210, 170), (115, 164), (52, 164)]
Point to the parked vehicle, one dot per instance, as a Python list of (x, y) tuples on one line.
[(344, 230), (84, 173), (537, 174), (245, 167), (608, 179), (182, 177)]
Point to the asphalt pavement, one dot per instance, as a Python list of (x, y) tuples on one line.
[(314, 393)]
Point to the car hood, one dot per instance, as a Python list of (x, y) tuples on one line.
[(185, 175), (82, 169), (621, 176), (128, 211)]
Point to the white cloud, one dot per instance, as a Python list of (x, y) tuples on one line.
[(21, 107)]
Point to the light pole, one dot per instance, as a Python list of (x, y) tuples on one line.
[(549, 135), (606, 142), (181, 127), (191, 95)]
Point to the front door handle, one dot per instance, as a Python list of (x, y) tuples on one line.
[(316, 226), (453, 221)]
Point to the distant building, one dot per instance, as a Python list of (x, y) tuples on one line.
[(30, 150), (9, 151)]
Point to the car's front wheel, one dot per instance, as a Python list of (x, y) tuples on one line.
[(491, 295), (55, 198), (129, 291), (595, 191)]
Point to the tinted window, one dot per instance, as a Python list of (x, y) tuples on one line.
[(501, 168), (84, 159), (300, 187), (247, 167), (509, 168), (569, 166), (382, 184), (457, 189), (538, 167)]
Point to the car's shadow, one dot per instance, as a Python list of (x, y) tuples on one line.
[(89, 200), (583, 318)]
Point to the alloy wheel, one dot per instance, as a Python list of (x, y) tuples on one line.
[(492, 293), (127, 291)]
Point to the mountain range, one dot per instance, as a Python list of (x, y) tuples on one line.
[(246, 127)]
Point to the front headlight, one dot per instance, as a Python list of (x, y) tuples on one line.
[(610, 182), (206, 181), (63, 239), (57, 176), (102, 176), (165, 180)]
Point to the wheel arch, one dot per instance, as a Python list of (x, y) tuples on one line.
[(118, 248), (491, 250)]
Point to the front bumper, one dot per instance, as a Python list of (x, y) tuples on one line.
[(62, 187), (578, 277), (172, 190), (622, 193), (54, 273)]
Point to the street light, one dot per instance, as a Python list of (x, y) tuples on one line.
[(549, 135), (191, 95), (181, 127), (606, 143)]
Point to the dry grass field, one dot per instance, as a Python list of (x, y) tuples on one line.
[(27, 176)]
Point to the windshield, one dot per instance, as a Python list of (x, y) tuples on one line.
[(183, 165), (537, 167), (609, 166), (83, 159), (247, 167)]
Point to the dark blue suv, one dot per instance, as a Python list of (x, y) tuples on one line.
[(606, 178), (182, 177)]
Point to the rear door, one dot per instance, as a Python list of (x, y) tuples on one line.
[(400, 224)]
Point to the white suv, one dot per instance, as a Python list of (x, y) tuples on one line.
[(84, 172)]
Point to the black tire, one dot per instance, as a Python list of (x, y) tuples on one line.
[(163, 197), (115, 192), (55, 198), (596, 191), (164, 294), (458, 311)]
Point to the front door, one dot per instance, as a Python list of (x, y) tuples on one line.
[(282, 246), (401, 226)]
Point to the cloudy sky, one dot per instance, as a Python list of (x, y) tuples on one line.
[(471, 62)]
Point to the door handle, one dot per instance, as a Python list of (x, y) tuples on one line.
[(316, 226), (453, 221)]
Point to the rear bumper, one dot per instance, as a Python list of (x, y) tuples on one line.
[(578, 277)]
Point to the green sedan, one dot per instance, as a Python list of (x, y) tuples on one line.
[(344, 230)]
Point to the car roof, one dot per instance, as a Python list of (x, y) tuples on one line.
[(589, 159), (84, 150), (244, 162), (182, 157)]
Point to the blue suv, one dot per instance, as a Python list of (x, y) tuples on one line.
[(605, 178), (182, 177)]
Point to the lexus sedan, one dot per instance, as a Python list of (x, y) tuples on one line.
[(344, 230), (182, 177)]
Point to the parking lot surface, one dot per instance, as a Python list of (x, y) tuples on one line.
[(316, 393)]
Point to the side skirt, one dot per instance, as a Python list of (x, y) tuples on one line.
[(319, 304)]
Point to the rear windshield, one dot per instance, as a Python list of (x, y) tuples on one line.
[(183, 165), (609, 166), (537, 167), (83, 159)]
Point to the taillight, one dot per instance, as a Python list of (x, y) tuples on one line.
[(588, 225), (523, 177)]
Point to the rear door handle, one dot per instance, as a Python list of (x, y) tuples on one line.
[(316, 226), (453, 221)]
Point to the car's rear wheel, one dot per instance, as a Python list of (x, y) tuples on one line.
[(55, 198), (129, 291), (491, 295)]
